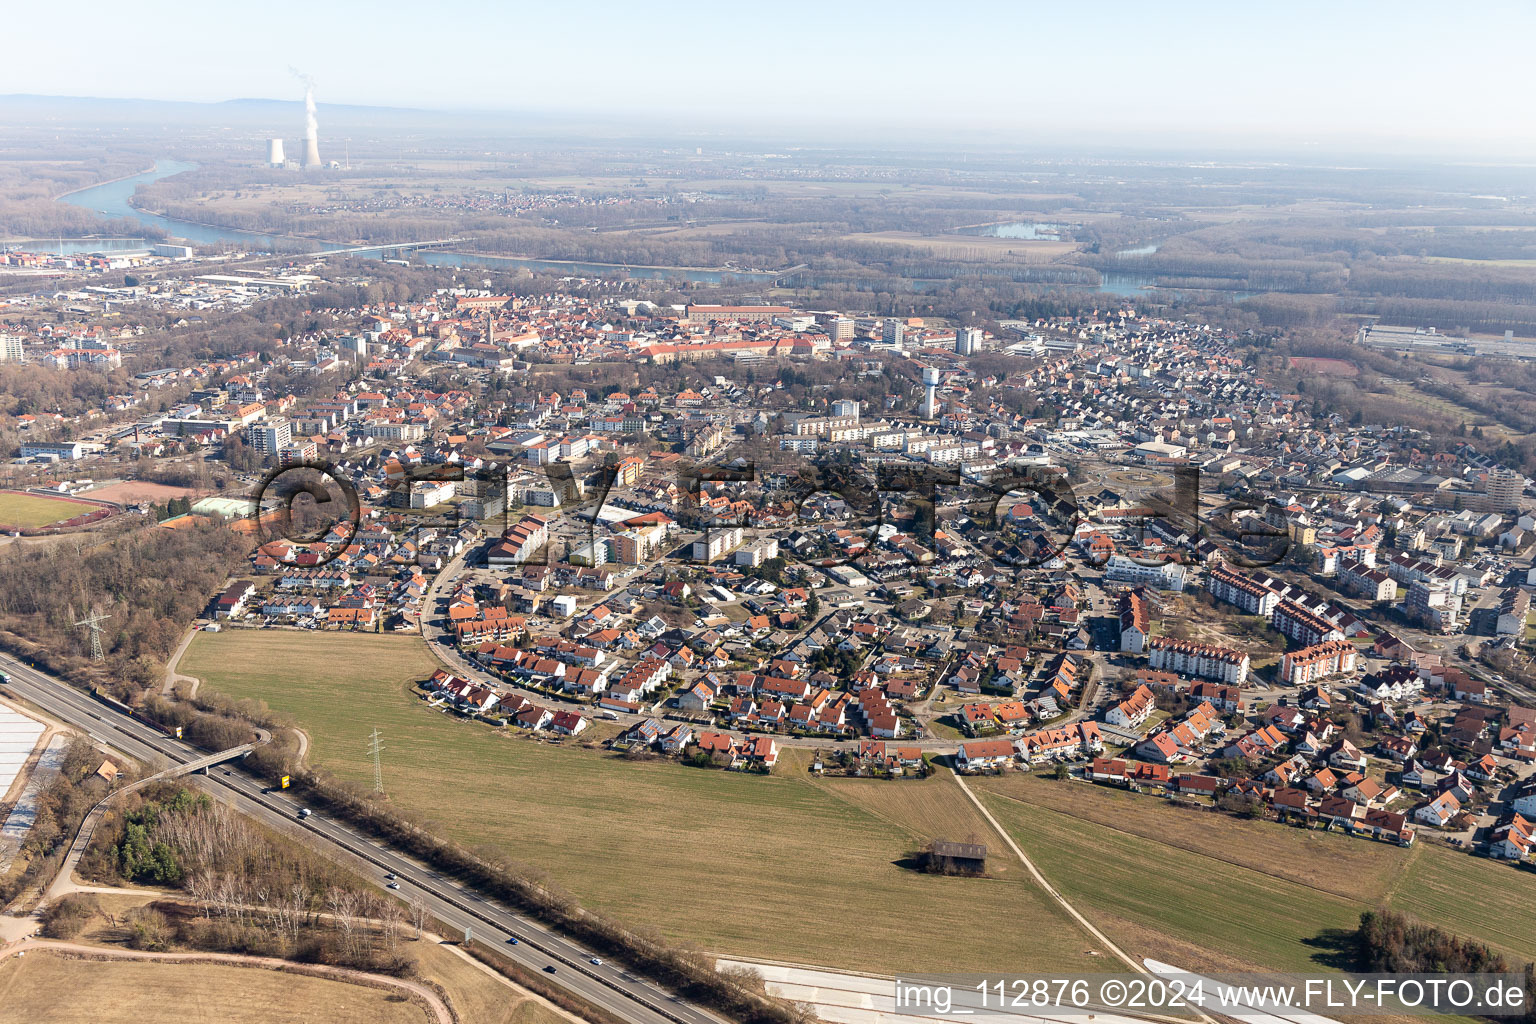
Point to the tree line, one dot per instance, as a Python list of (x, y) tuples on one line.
[(152, 583), (1389, 942)]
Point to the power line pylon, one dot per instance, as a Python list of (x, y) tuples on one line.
[(376, 748), (93, 623)]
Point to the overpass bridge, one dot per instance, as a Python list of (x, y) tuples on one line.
[(386, 247), (61, 881)]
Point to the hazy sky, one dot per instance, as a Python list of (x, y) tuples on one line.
[(1444, 75)]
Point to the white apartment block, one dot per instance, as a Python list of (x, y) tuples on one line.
[(271, 437), (756, 554), (1369, 582), (1163, 575), (1237, 589), (716, 543), (1304, 666), (1435, 605), (1206, 661)]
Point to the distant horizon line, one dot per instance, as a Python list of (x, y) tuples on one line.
[(1089, 139)]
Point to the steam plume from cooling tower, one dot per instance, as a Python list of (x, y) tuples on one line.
[(311, 123)]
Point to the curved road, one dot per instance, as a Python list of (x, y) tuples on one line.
[(621, 992), (440, 644)]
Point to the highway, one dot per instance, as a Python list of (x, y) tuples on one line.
[(615, 989), (61, 881)]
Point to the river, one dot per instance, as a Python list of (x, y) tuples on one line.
[(111, 200)]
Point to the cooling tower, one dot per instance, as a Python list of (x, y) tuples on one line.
[(275, 156)]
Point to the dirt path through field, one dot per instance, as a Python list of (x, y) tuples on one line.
[(1050, 890)]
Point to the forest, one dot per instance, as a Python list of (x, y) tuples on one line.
[(252, 892), (1388, 942), (32, 177), (152, 583)]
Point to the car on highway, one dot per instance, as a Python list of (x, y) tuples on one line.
[(549, 968), (596, 961), (393, 885), (305, 812), (512, 941), (390, 876)]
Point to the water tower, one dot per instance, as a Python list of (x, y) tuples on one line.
[(931, 380)]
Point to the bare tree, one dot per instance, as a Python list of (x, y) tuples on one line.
[(391, 917)]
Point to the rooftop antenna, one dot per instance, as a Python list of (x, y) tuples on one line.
[(376, 748), (93, 623)]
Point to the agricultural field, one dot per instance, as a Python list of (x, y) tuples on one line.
[(26, 511), (450, 179), (737, 864), (1471, 896), (779, 188), (477, 992), (1483, 263), (1143, 870), (45, 987), (1184, 907)]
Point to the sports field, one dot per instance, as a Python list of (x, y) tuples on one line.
[(139, 490), (26, 511), (45, 987), (785, 867)]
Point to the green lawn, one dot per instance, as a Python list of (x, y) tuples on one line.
[(25, 511), (785, 867)]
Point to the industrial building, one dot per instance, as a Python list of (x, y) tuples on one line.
[(52, 450)]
